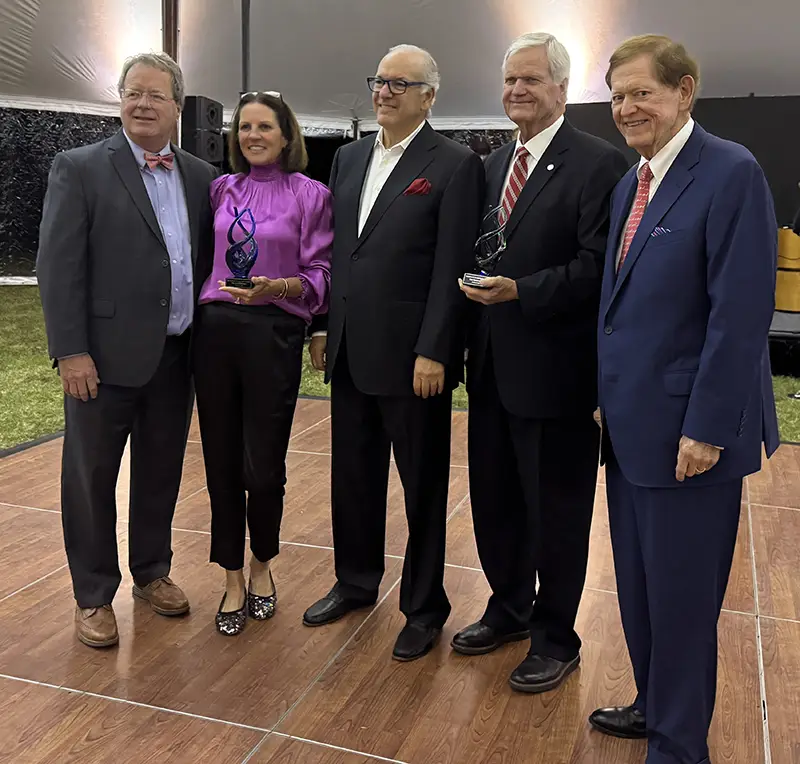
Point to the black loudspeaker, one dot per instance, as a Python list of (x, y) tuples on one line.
[(201, 113), (201, 129)]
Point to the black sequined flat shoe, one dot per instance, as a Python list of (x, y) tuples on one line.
[(232, 623), (262, 608)]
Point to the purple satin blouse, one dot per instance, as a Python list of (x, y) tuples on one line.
[(289, 218)]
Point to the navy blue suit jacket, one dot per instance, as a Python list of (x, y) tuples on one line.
[(683, 327)]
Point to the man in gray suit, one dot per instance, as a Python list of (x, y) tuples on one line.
[(124, 248)]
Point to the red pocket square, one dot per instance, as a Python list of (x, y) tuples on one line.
[(419, 186)]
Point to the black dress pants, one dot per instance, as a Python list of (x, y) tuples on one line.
[(532, 487), (247, 367), (365, 429), (156, 416)]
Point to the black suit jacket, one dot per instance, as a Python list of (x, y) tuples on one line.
[(543, 346), (394, 288), (103, 265)]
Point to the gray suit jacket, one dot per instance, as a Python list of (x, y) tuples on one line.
[(102, 264)]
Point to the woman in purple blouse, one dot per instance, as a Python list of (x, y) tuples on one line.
[(248, 342)]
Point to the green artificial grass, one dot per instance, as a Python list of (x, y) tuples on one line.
[(31, 398), (31, 403)]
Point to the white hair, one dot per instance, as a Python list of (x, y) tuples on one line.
[(430, 69), (557, 55)]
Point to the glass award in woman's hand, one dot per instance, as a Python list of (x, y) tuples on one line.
[(489, 248), (243, 250)]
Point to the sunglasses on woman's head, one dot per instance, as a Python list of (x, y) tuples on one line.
[(256, 93)]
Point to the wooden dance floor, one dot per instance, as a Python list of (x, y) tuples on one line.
[(176, 691)]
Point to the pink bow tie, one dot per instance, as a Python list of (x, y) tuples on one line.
[(153, 160)]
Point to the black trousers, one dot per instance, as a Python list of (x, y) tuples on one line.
[(365, 429), (532, 487), (156, 416), (247, 367), (673, 551)]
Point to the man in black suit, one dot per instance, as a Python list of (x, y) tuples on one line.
[(407, 209), (532, 370), (125, 227)]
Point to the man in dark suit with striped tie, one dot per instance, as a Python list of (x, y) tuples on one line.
[(532, 370)]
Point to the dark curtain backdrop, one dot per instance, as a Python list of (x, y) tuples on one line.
[(768, 127), (28, 142), (30, 139)]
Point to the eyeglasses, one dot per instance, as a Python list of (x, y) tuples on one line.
[(152, 96), (257, 93), (397, 87)]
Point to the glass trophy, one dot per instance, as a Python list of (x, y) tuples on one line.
[(242, 253), (489, 248)]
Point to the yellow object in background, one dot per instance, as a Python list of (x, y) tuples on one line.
[(787, 288)]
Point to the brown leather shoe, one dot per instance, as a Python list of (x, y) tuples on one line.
[(164, 597), (96, 626)]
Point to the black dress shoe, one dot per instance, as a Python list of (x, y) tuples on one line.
[(331, 608), (540, 673), (623, 721), (479, 639), (414, 641)]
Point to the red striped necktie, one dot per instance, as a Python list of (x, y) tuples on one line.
[(639, 206), (519, 175)]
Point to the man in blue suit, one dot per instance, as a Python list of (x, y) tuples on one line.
[(686, 395)]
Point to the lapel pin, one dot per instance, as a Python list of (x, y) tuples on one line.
[(550, 166)]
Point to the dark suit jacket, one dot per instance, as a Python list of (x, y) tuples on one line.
[(394, 289), (543, 346), (683, 327), (102, 264)]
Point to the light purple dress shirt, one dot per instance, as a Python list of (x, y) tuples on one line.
[(290, 219), (166, 192)]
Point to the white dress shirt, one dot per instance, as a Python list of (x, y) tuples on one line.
[(659, 166), (536, 147), (380, 168)]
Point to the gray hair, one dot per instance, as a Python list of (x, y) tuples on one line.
[(157, 61), (430, 69), (557, 55)]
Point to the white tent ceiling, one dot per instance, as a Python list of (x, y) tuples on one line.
[(66, 54)]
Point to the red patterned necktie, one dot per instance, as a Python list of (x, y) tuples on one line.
[(639, 206), (519, 175), (153, 160)]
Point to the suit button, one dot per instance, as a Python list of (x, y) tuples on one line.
[(163, 303), (354, 256), (165, 263), (608, 330)]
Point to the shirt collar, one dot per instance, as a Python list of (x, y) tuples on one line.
[(398, 147), (662, 161), (537, 145), (139, 152)]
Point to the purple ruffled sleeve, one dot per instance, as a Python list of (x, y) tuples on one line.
[(316, 242)]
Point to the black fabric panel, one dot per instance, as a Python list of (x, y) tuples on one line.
[(767, 126), (28, 142)]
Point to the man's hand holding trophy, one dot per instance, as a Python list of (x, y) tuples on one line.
[(483, 286)]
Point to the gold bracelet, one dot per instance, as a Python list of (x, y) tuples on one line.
[(285, 291)]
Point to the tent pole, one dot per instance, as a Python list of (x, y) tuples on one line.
[(245, 46), (169, 37), (169, 27)]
